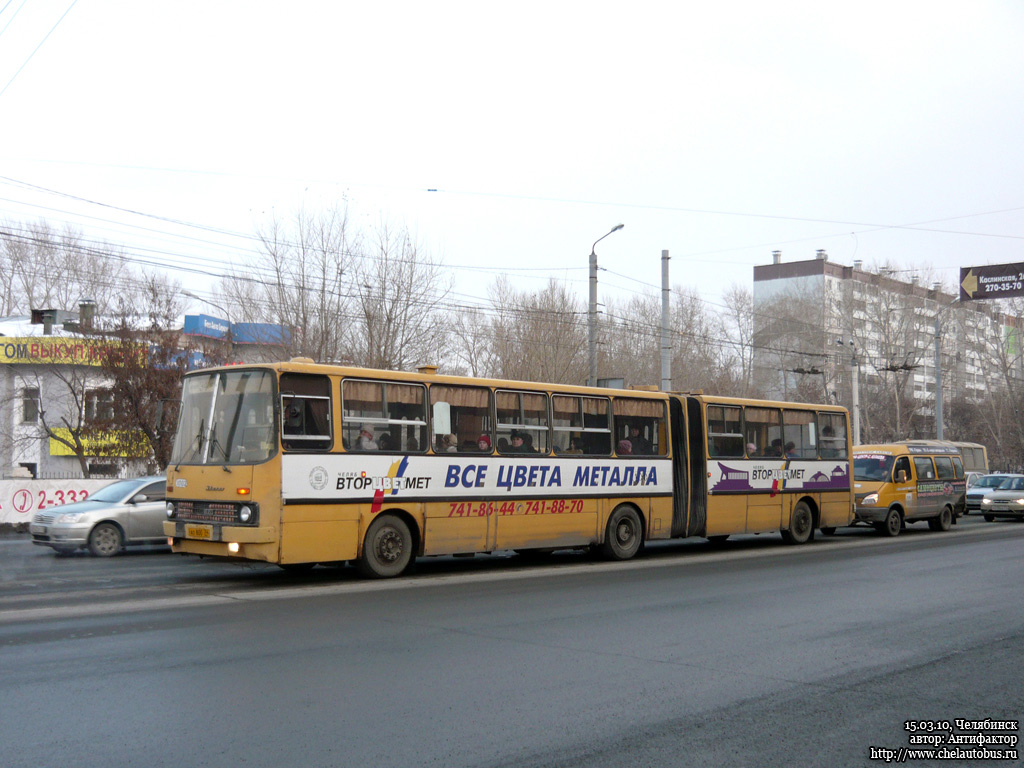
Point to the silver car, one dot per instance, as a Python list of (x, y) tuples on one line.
[(124, 512), (985, 486), (1007, 500)]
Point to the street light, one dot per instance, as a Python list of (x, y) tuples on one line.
[(592, 313), (227, 316)]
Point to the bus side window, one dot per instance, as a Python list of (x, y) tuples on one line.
[(902, 465), (305, 412), (924, 469)]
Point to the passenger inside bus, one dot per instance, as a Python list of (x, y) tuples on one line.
[(366, 441), (641, 444)]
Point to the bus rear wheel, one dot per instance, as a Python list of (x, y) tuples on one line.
[(801, 525), (624, 534), (387, 550)]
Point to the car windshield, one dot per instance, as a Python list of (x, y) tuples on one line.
[(990, 481), (872, 467), (115, 492), (226, 417), (1012, 484)]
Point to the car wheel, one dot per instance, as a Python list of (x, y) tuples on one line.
[(893, 523), (387, 550), (990, 518), (801, 525), (624, 534), (105, 540)]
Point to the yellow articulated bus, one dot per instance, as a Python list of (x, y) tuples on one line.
[(298, 463)]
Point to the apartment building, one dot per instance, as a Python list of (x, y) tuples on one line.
[(817, 322)]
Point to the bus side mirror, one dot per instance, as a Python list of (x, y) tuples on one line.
[(901, 476)]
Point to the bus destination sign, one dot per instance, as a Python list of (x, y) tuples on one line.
[(992, 281)]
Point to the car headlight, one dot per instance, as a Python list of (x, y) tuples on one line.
[(870, 500), (170, 509), (1018, 501), (70, 517), (986, 501), (245, 514)]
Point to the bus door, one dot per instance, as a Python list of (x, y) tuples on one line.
[(926, 501), (904, 492), (697, 519), (680, 486)]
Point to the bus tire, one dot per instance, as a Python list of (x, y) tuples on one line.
[(624, 534), (892, 525), (387, 549), (943, 521), (801, 525)]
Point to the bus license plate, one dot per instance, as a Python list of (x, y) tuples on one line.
[(199, 532)]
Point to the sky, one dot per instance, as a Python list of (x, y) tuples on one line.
[(508, 137)]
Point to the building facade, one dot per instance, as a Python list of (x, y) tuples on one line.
[(915, 349), (52, 381)]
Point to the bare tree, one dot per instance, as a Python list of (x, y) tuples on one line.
[(146, 358), (400, 317), (44, 269), (302, 279), (538, 336)]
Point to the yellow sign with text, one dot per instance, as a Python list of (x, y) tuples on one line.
[(57, 350), (115, 443)]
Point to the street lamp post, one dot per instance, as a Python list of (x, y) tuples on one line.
[(227, 316), (592, 313)]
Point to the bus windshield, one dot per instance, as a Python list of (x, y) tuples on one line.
[(874, 468), (226, 417)]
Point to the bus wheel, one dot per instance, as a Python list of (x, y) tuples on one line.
[(943, 521), (387, 550), (828, 530), (892, 524), (801, 525), (624, 534)]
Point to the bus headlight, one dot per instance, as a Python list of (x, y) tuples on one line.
[(170, 510), (870, 500), (245, 514)]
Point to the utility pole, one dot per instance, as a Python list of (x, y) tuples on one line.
[(592, 311), (938, 378), (666, 346), (854, 390)]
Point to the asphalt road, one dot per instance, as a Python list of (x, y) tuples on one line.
[(757, 654)]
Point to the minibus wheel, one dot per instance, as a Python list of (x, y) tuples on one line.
[(943, 521), (893, 523), (624, 534), (387, 549)]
